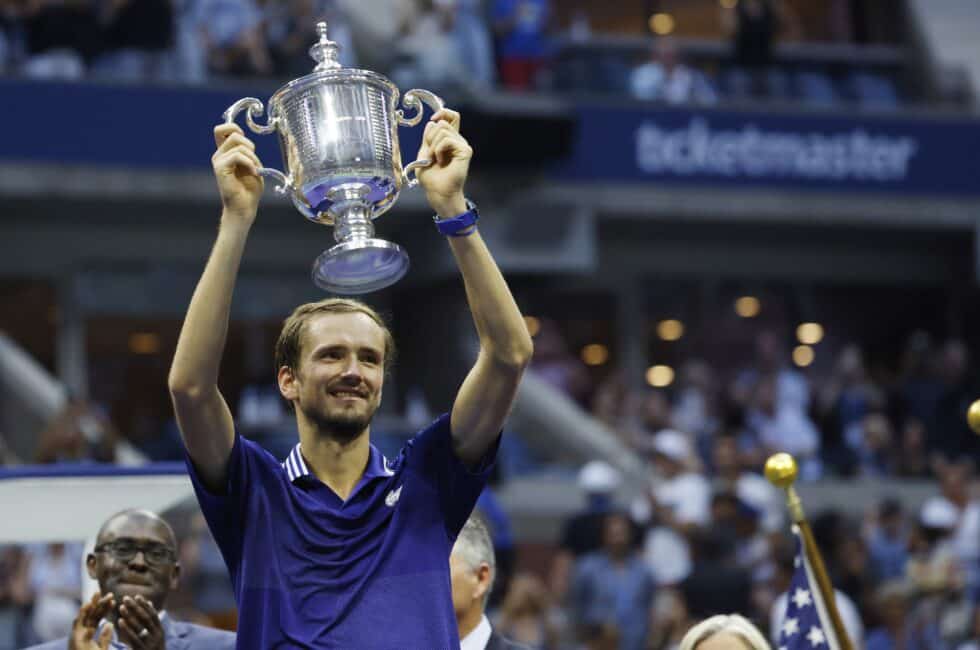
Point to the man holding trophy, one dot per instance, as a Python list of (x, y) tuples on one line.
[(338, 546)]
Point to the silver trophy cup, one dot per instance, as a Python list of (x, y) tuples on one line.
[(338, 130)]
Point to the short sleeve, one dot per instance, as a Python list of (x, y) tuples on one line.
[(225, 511), (430, 455)]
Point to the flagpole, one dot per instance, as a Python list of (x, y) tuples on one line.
[(781, 471)]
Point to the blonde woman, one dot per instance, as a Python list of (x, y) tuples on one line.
[(724, 632)]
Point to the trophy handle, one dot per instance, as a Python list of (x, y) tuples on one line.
[(254, 108), (414, 99)]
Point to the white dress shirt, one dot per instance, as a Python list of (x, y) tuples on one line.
[(478, 637)]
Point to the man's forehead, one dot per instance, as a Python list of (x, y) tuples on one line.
[(135, 527), (353, 328)]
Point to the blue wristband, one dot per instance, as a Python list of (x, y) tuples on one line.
[(459, 226)]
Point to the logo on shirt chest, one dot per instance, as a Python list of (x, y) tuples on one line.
[(393, 497)]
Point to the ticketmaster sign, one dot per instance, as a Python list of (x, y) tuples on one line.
[(925, 156)]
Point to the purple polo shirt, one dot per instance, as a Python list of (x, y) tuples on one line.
[(312, 571)]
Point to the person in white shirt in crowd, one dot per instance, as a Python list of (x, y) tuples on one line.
[(680, 501), (665, 78), (472, 568)]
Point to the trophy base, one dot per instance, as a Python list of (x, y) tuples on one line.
[(361, 266)]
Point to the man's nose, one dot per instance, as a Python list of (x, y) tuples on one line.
[(352, 369), (138, 560)]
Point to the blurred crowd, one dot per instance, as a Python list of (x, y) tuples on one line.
[(451, 46), (711, 534)]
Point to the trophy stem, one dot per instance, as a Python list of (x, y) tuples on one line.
[(353, 221)]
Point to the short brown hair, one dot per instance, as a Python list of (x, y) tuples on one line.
[(289, 345)]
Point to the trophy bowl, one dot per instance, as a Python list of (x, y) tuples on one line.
[(338, 132)]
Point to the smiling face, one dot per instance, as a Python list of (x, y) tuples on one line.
[(338, 379), (151, 572)]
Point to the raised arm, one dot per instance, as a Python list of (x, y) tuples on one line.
[(487, 394), (205, 421)]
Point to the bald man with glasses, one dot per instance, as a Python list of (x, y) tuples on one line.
[(135, 563)]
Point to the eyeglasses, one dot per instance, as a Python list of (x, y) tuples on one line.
[(154, 553)]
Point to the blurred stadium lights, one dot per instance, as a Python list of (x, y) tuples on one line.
[(670, 329), (809, 333), (662, 24), (660, 376), (595, 354), (747, 306), (803, 355)]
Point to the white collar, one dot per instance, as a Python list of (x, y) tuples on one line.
[(478, 637)]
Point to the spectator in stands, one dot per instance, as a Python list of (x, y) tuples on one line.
[(739, 521), (961, 385), (79, 433), (582, 533), (609, 401), (680, 502), (843, 401), (137, 37), (61, 37), (475, 43), (913, 458), (682, 496), (665, 78), (9, 17), (695, 405), (472, 569), (875, 448), (730, 474), (753, 26), (135, 563), (203, 568), (520, 29), (783, 427), (716, 583), (289, 32), (554, 364), (15, 595), (900, 628), (526, 614), (55, 580), (233, 37), (430, 50), (724, 632), (936, 572), (954, 481), (888, 541), (648, 411), (612, 589)]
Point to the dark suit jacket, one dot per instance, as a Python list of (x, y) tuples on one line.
[(497, 642), (178, 635)]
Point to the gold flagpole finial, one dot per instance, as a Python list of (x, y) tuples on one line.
[(781, 470)]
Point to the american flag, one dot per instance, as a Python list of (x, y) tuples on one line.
[(806, 625)]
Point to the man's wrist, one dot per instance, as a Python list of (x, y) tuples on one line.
[(239, 220), (450, 208)]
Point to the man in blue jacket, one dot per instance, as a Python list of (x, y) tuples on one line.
[(135, 563)]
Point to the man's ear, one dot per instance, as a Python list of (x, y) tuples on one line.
[(90, 566), (287, 383), (175, 577), (483, 578)]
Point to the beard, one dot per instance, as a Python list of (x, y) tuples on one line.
[(340, 425)]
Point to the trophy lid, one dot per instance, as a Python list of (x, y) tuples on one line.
[(325, 52)]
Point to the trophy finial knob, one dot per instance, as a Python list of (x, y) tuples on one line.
[(324, 51), (781, 470)]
